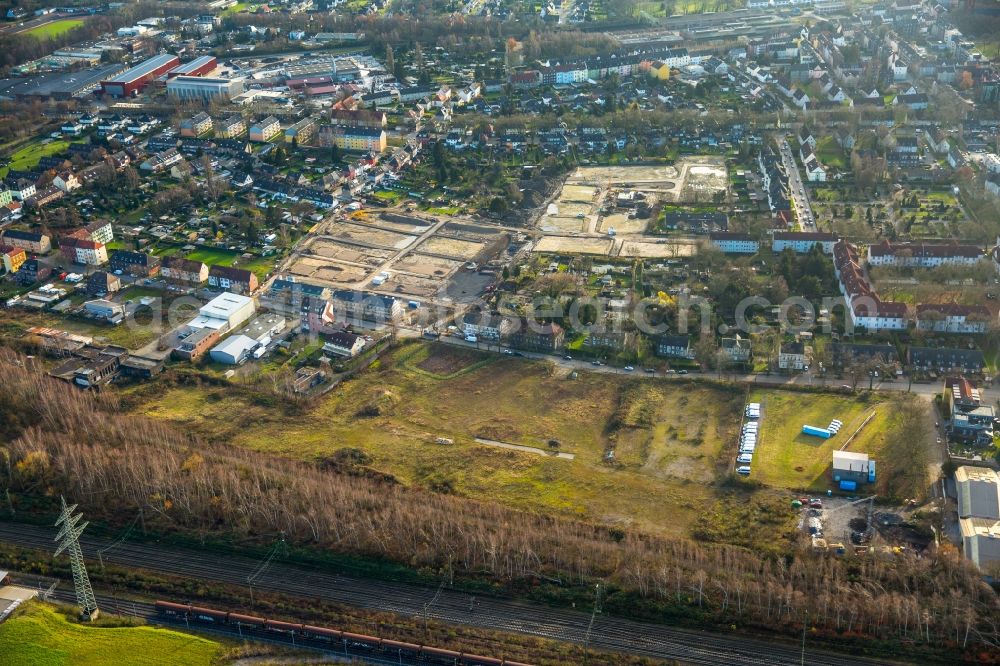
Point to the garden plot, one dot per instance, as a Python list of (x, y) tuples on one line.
[(657, 250), (452, 247), (569, 245), (327, 271), (562, 225), (373, 236), (623, 223), (410, 285), (328, 249), (421, 264)]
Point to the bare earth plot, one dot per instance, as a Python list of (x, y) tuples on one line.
[(451, 247), (568, 245), (657, 250)]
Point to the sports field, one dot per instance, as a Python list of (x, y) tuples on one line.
[(54, 28)]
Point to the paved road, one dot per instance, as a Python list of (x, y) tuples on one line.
[(803, 209), (445, 604), (901, 384)]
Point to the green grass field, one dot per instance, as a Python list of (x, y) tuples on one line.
[(830, 153), (41, 636), (54, 28), (666, 463), (261, 266), (28, 156), (785, 458)]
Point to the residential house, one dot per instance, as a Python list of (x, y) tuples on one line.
[(487, 325), (185, 271), (100, 283), (736, 349), (136, 264), (674, 346), (230, 127), (924, 255), (531, 335), (79, 247), (13, 258), (362, 306), (30, 241), (66, 181), (793, 356), (32, 271), (844, 354), (235, 280), (802, 242), (197, 125), (734, 243), (265, 130), (343, 343), (952, 318), (943, 359)]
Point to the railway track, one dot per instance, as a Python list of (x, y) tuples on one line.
[(445, 605)]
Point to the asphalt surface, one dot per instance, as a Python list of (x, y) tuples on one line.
[(798, 191), (445, 605)]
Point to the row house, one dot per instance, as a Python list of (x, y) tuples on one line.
[(161, 161), (184, 271), (136, 264), (864, 307), (235, 280), (802, 242), (924, 255), (359, 305), (952, 318)]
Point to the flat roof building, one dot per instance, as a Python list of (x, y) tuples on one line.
[(131, 81), (233, 350), (58, 85), (197, 67), (203, 88), (225, 312), (978, 492), (981, 543)]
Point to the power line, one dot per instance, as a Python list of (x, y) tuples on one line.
[(69, 540)]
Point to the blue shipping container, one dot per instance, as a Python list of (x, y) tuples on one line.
[(848, 485), (816, 432)]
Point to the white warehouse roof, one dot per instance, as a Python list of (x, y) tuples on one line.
[(232, 349)]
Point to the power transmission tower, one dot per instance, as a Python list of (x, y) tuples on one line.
[(69, 540)]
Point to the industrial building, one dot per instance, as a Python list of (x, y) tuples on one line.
[(132, 81), (225, 312), (233, 350), (198, 67), (202, 88), (58, 85), (978, 492)]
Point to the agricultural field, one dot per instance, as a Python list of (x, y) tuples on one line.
[(41, 636), (667, 454), (785, 458), (54, 28)]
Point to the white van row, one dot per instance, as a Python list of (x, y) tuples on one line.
[(748, 438)]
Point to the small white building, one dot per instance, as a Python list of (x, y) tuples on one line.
[(734, 243)]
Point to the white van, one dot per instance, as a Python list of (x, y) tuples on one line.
[(744, 458), (744, 470)]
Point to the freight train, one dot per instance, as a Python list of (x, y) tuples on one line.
[(333, 639)]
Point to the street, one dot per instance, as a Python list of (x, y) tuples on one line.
[(797, 189)]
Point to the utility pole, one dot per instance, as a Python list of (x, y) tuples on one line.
[(805, 623), (69, 540)]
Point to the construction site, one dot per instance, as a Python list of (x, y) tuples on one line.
[(607, 211), (416, 256)]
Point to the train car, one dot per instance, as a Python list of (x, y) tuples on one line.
[(322, 634), (440, 655), (477, 660), (208, 615), (283, 627), (388, 644), (247, 620), (171, 609), (360, 640)]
